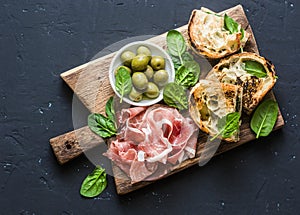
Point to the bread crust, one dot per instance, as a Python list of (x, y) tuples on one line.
[(198, 46), (228, 99), (254, 89)]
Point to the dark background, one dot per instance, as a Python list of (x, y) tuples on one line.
[(41, 39)]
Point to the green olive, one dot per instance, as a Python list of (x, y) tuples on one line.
[(152, 90), (125, 67), (157, 62), (139, 80), (204, 112), (161, 77), (139, 62), (149, 72), (135, 96), (144, 50), (127, 57)]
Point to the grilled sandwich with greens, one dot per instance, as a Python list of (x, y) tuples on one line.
[(253, 73), (216, 108), (215, 35)]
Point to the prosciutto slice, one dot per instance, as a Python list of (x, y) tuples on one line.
[(150, 140)]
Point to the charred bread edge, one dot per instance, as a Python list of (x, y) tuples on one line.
[(270, 68), (238, 107), (198, 49)]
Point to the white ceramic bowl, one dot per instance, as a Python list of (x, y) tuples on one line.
[(155, 50)]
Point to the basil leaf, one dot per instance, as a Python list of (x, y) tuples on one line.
[(101, 125), (176, 43), (188, 74), (230, 25), (175, 96), (264, 118), (109, 109), (94, 183), (255, 68), (123, 82), (228, 125)]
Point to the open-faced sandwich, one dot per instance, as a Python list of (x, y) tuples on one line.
[(212, 102), (215, 35), (253, 73)]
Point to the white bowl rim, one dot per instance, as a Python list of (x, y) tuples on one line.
[(112, 68)]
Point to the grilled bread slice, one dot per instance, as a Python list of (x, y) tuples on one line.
[(208, 35), (253, 73), (210, 101)]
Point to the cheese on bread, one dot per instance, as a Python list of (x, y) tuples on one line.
[(233, 70), (210, 101), (208, 36)]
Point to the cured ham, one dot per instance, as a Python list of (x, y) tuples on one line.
[(150, 140)]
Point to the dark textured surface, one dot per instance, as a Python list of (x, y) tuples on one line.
[(41, 39)]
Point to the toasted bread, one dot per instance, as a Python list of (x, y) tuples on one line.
[(232, 70), (208, 36), (210, 101)]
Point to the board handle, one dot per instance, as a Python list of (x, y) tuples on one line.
[(72, 144)]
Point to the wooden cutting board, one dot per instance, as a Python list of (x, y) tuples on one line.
[(90, 83)]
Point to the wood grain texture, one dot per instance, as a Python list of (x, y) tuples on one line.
[(90, 83), (70, 145)]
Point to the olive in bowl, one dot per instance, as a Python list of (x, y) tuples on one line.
[(143, 81)]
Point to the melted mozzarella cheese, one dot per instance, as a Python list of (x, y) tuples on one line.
[(211, 33), (267, 82), (237, 70)]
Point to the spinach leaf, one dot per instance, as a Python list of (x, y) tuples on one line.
[(264, 118), (175, 96), (243, 33), (186, 57), (176, 44), (176, 61), (187, 75), (101, 125), (123, 82), (255, 68), (94, 183), (187, 70), (212, 13), (109, 109), (228, 125), (230, 25), (233, 27)]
